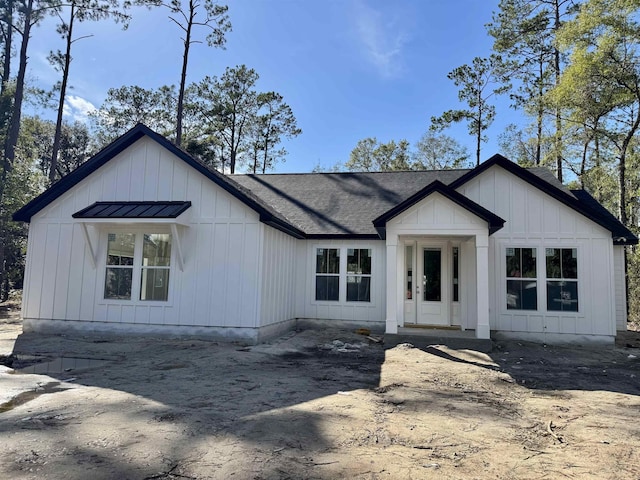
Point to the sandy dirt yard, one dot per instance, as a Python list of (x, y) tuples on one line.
[(313, 405)]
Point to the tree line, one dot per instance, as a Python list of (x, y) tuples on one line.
[(570, 68), (225, 121)]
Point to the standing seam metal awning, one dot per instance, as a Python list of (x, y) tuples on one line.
[(132, 213)]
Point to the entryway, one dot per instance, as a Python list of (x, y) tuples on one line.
[(431, 283)]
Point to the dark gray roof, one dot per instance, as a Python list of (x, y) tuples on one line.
[(133, 210), (339, 203)]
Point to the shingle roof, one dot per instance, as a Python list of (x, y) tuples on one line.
[(323, 204), (133, 210), (621, 234)]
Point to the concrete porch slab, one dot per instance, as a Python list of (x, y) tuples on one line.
[(423, 338)]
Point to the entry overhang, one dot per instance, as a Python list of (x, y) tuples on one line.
[(494, 222)]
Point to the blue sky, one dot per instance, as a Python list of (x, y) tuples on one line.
[(349, 69)]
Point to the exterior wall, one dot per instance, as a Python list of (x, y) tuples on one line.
[(533, 219), (436, 217), (278, 290), (217, 292), (362, 314), (621, 288)]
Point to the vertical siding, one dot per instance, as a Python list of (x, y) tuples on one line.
[(620, 288), (221, 244), (374, 311), (278, 298), (533, 219)]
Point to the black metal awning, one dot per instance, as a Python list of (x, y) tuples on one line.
[(133, 210)]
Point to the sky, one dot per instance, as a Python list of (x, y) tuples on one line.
[(349, 69)]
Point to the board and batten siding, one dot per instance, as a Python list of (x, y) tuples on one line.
[(221, 245), (534, 219), (621, 288), (278, 292), (353, 313)]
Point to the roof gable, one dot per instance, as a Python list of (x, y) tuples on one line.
[(494, 222), (571, 198), (267, 214)]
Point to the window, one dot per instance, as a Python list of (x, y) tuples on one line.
[(138, 259), (456, 274), (328, 274), (156, 262), (522, 285), (562, 279), (119, 273), (358, 275)]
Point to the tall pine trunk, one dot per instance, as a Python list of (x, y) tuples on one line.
[(63, 91)]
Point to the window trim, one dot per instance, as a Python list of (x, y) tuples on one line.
[(317, 274), (507, 278), (342, 285), (576, 280), (358, 275), (136, 279)]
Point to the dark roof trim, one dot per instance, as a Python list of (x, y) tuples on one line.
[(343, 236), (591, 210), (621, 234), (267, 214), (494, 222), (133, 210)]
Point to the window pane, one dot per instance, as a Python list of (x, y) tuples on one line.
[(120, 247), (117, 284), (327, 288), (431, 280), (455, 273), (522, 295), (156, 251), (562, 296), (553, 263), (528, 262), (359, 261), (327, 260), (569, 263), (513, 262), (409, 269), (154, 284), (358, 289)]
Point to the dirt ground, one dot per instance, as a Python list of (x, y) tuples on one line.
[(313, 405)]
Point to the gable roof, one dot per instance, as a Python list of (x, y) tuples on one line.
[(494, 222), (344, 205), (578, 200), (267, 214)]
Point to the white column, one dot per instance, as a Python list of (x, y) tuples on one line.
[(482, 285), (392, 274)]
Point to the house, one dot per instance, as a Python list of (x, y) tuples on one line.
[(143, 238)]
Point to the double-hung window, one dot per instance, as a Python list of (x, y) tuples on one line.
[(522, 284), (562, 279), (358, 275), (138, 266), (328, 274)]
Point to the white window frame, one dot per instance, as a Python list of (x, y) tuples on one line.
[(358, 275), (342, 286), (136, 279), (325, 275), (532, 279), (573, 280)]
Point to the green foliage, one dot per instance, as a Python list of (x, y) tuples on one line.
[(439, 152), (369, 155), (478, 82)]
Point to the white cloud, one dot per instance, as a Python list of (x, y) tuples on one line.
[(381, 37), (77, 108)]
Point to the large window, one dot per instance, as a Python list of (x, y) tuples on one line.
[(328, 274), (562, 279), (522, 285), (358, 275), (138, 259)]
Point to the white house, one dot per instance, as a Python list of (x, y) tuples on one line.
[(144, 238)]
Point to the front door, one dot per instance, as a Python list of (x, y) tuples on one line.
[(432, 292)]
